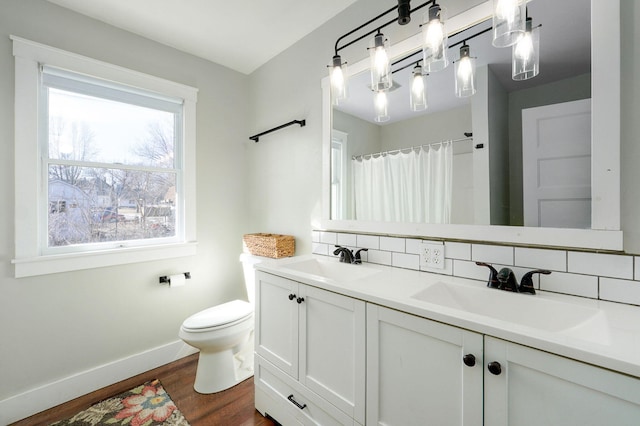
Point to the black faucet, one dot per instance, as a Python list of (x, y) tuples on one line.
[(526, 283), (493, 275), (506, 280), (356, 258), (347, 256)]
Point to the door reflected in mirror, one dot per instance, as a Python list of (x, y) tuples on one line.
[(423, 167)]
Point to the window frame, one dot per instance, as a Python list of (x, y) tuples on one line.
[(31, 258)]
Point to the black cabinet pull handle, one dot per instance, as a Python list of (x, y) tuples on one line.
[(296, 403), (495, 368), (300, 300), (469, 360), (292, 296)]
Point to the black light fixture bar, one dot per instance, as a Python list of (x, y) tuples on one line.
[(256, 138), (419, 52), (463, 41), (339, 48)]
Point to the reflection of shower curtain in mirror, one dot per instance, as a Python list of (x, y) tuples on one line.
[(405, 187)]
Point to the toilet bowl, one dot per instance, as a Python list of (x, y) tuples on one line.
[(224, 336), (221, 333)]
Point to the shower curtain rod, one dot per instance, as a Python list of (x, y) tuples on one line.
[(395, 151)]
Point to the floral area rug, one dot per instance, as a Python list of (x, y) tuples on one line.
[(145, 405)]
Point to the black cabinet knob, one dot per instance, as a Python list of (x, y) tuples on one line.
[(495, 368), (292, 296), (469, 360), (300, 300)]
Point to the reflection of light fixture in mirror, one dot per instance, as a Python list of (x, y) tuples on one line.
[(434, 40), (380, 65), (380, 104), (418, 98), (338, 77), (525, 58), (508, 22), (465, 72)]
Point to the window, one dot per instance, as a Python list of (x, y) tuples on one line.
[(105, 163), (104, 146)]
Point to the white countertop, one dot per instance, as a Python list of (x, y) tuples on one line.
[(394, 288)]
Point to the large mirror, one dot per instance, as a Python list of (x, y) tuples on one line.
[(522, 159)]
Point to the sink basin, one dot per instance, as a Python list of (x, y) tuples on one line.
[(331, 269), (572, 320)]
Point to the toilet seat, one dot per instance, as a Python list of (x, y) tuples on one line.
[(220, 316)]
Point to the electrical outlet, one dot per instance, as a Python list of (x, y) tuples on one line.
[(432, 255)]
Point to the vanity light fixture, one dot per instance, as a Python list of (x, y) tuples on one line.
[(526, 54), (418, 97), (338, 75), (508, 22), (381, 104), (434, 40), (509, 25), (382, 77), (465, 73), (380, 65)]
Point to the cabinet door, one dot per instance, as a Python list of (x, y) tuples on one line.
[(332, 349), (416, 374), (538, 388), (276, 312)]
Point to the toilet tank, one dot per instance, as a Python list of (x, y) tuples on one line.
[(248, 261)]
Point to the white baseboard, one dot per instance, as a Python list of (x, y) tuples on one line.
[(44, 397)]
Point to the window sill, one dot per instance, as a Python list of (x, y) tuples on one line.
[(43, 265)]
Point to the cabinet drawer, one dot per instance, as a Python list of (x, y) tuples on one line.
[(270, 380)]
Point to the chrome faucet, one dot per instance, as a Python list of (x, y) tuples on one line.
[(506, 280), (347, 256)]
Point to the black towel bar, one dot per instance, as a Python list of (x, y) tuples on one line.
[(256, 138)]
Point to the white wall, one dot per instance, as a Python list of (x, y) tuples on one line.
[(55, 326)]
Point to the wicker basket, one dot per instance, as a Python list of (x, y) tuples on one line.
[(270, 245)]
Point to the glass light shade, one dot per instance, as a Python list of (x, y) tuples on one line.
[(526, 55), (381, 107), (434, 40), (380, 65), (508, 21), (338, 75), (465, 72), (418, 96)]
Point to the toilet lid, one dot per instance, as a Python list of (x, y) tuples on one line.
[(219, 315)]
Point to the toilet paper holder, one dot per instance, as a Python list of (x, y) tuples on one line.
[(165, 278)]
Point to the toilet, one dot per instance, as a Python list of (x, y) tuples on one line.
[(224, 336)]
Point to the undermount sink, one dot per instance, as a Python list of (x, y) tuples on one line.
[(331, 269), (572, 320)]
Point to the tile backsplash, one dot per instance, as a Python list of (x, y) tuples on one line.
[(611, 277)]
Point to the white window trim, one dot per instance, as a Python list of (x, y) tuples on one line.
[(29, 260)]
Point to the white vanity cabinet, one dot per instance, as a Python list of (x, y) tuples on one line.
[(417, 372), (538, 388), (310, 352), (317, 351)]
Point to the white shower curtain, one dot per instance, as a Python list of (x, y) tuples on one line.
[(405, 187)]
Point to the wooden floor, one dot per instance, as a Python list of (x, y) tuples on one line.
[(233, 407)]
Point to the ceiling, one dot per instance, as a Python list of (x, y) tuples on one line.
[(239, 34)]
